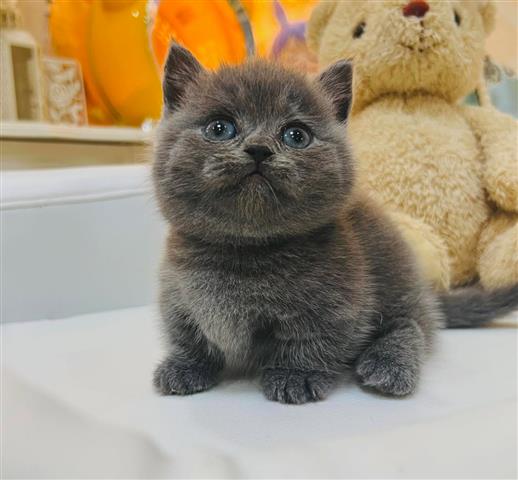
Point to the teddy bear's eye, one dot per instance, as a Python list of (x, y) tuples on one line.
[(457, 17), (359, 30)]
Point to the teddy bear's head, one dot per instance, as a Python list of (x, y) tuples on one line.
[(401, 47)]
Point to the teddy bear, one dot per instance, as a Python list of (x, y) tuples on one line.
[(447, 173)]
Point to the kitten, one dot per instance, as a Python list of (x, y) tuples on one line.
[(274, 262)]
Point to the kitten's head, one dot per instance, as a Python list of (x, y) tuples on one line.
[(251, 152)]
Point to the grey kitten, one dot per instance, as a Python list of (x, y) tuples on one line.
[(274, 263)]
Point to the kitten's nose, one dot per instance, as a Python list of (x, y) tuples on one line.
[(258, 152), (416, 8)]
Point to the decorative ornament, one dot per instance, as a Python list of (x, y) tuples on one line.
[(64, 91), (21, 92)]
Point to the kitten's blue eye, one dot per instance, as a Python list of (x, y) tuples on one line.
[(220, 130), (296, 137)]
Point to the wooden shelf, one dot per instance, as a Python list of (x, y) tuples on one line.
[(29, 145), (36, 131)]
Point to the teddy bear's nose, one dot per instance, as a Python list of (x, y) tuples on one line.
[(416, 8)]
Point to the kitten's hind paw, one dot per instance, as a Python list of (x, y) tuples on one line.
[(174, 377), (296, 386), (389, 372)]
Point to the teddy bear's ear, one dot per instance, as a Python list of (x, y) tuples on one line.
[(181, 68), (336, 81), (488, 12), (317, 22)]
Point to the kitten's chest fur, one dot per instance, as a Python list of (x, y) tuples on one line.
[(228, 307), (234, 293)]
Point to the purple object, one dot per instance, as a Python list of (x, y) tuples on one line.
[(288, 30)]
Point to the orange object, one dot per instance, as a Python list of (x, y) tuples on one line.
[(110, 39), (208, 28)]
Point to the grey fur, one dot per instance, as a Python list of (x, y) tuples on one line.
[(291, 275), (472, 307)]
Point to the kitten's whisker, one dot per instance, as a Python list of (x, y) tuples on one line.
[(276, 199)]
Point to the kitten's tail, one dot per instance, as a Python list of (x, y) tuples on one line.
[(473, 307)]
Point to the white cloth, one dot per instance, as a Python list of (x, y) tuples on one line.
[(78, 402)]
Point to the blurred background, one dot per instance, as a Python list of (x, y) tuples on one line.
[(116, 48), (101, 59)]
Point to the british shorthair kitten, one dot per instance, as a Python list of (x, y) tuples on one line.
[(275, 264)]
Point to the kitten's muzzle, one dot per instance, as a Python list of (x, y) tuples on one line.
[(259, 153)]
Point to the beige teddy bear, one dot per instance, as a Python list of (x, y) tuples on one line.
[(447, 172)]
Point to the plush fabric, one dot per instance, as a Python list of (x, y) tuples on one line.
[(447, 173), (77, 402)]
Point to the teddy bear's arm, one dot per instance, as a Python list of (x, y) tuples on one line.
[(498, 138)]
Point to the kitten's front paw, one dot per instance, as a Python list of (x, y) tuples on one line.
[(389, 372), (174, 377), (296, 386)]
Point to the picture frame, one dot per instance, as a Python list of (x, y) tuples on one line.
[(64, 93)]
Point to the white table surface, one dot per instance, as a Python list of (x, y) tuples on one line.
[(78, 402)]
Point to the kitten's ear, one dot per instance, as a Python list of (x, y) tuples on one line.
[(336, 82), (181, 68)]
